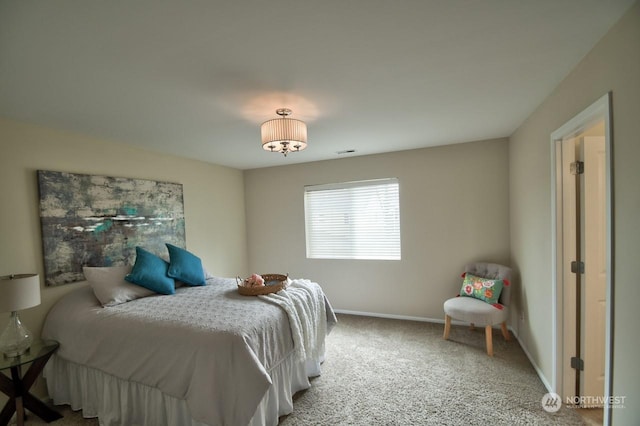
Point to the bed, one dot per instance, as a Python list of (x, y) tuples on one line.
[(205, 355)]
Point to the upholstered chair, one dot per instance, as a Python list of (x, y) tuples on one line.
[(475, 311)]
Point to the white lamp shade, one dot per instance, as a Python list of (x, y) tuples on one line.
[(280, 132), (19, 292)]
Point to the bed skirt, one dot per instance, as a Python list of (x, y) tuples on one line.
[(115, 401)]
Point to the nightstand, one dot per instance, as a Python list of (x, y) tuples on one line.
[(17, 387)]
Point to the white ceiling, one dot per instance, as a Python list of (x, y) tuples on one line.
[(196, 78)]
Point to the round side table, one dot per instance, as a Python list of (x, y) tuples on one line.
[(17, 387)]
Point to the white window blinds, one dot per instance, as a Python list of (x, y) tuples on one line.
[(353, 220)]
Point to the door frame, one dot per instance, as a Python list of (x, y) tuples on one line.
[(600, 110)]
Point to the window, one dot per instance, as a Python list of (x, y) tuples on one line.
[(353, 220)]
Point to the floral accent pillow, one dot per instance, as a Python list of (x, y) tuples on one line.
[(480, 288)]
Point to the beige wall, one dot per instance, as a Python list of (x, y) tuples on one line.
[(453, 207), (213, 200), (613, 65)]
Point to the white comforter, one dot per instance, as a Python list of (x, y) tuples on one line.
[(207, 345)]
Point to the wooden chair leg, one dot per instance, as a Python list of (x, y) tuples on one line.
[(487, 331), (447, 327), (505, 332)]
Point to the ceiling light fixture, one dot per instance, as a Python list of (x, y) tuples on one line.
[(284, 134)]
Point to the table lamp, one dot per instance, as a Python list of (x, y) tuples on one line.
[(17, 292)]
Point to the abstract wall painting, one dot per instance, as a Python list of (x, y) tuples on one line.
[(92, 220)]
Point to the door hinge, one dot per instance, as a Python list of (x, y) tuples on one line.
[(577, 363), (577, 267), (577, 168)]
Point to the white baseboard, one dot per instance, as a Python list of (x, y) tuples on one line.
[(399, 317), (390, 316), (542, 377)]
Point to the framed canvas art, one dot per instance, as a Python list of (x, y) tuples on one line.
[(92, 220)]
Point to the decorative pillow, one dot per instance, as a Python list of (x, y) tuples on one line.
[(481, 288), (150, 271), (109, 286), (185, 266)]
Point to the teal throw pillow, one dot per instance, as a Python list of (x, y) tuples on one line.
[(150, 271), (185, 266), (481, 288)]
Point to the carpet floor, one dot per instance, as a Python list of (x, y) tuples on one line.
[(392, 372)]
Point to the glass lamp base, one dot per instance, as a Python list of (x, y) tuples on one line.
[(15, 339)]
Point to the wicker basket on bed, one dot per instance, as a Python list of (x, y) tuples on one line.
[(272, 284)]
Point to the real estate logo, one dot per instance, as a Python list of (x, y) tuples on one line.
[(587, 401), (551, 402)]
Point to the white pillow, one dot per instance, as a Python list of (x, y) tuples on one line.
[(109, 286)]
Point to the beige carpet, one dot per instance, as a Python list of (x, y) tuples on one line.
[(391, 372)]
